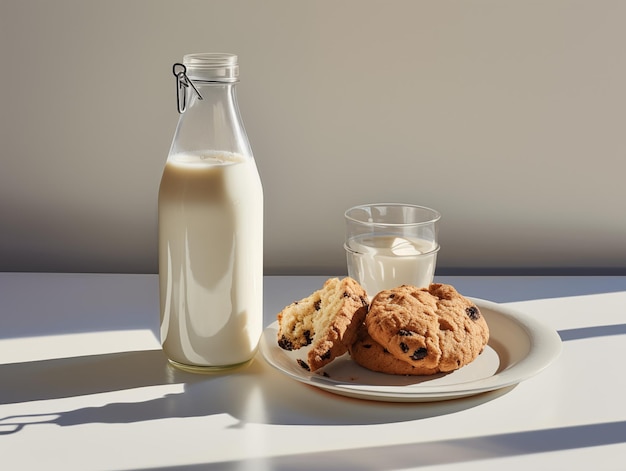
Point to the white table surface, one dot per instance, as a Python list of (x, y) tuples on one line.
[(84, 386)]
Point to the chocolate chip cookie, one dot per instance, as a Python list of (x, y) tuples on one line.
[(368, 353), (327, 320), (435, 329)]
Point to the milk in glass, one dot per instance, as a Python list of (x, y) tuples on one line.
[(381, 262)]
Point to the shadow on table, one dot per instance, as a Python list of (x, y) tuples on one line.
[(255, 393), (593, 331), (415, 455), (252, 394), (500, 289)]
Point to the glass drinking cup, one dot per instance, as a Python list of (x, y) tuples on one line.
[(391, 244)]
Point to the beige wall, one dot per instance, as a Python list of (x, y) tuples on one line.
[(507, 116)]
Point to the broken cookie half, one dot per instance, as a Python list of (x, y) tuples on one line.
[(327, 320)]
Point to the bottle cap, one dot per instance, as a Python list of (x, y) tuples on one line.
[(212, 67)]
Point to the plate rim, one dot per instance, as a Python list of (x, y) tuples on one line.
[(545, 347)]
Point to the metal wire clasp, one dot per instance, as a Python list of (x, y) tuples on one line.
[(182, 87)]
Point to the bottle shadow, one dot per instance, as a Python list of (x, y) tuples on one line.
[(255, 393)]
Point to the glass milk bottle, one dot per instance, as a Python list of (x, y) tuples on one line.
[(210, 224)]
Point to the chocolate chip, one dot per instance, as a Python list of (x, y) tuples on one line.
[(404, 347), (391, 296), (308, 337), (345, 294), (473, 313), (419, 354), (364, 301), (317, 305), (404, 333), (303, 364), (326, 355), (285, 343)]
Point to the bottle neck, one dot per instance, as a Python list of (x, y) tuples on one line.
[(211, 121), (219, 100), (213, 94)]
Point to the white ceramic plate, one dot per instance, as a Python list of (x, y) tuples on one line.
[(519, 347)]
